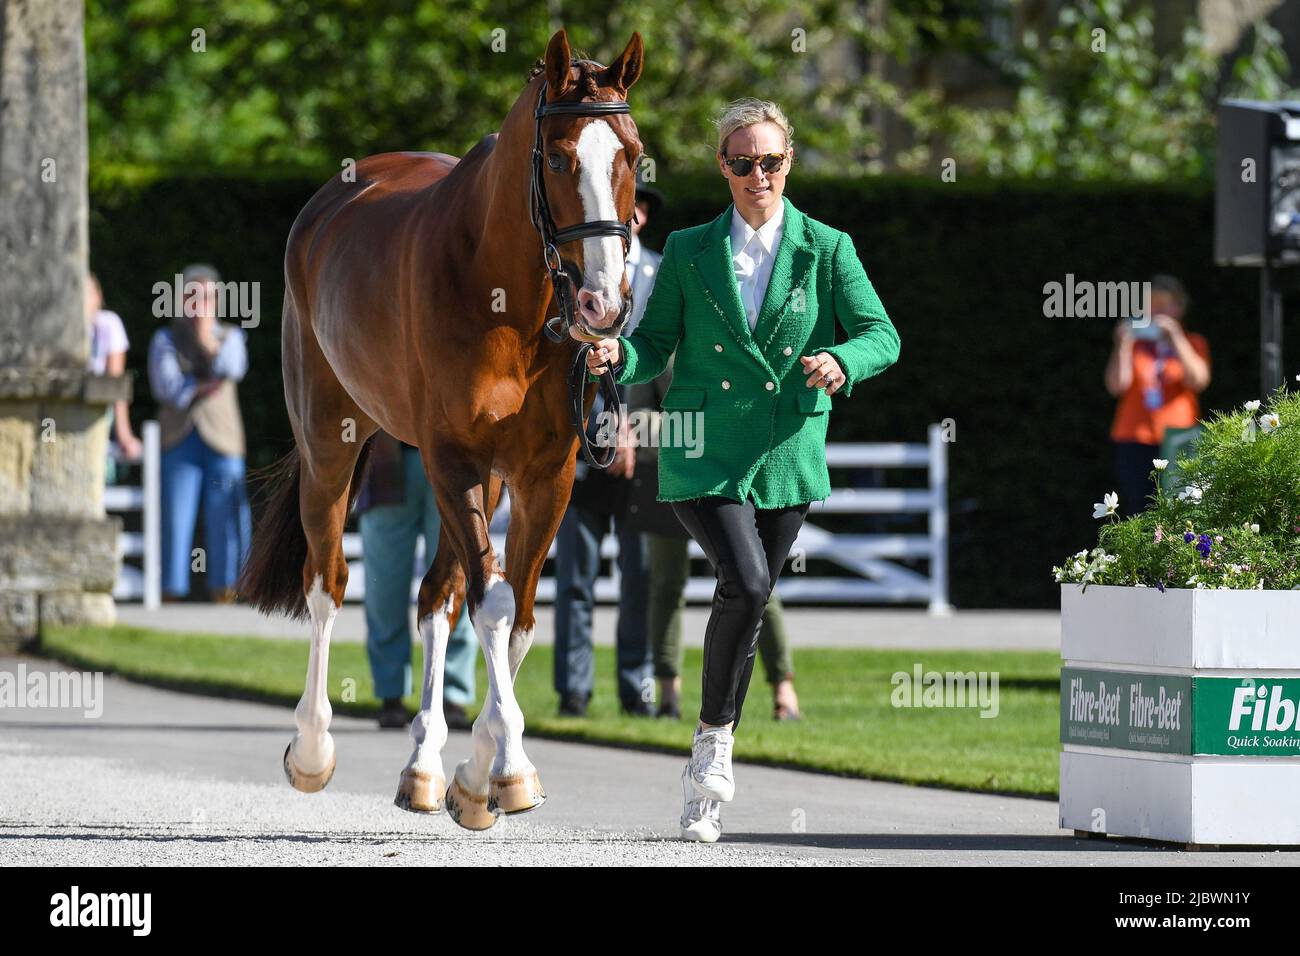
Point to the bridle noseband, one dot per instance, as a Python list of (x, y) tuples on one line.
[(565, 276)]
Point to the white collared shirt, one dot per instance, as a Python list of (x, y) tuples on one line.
[(753, 252)]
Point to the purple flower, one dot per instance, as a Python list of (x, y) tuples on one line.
[(1188, 537), (1204, 545), (1160, 586)]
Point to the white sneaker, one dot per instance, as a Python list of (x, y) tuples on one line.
[(710, 764), (701, 817)]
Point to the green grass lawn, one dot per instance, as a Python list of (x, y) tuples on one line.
[(850, 725)]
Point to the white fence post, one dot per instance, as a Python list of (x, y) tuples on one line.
[(938, 522), (144, 583), (152, 525)]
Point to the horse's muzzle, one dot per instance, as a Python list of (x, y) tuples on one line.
[(583, 318)]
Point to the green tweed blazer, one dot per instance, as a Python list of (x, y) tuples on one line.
[(755, 429)]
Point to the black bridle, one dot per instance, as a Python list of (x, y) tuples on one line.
[(565, 276)]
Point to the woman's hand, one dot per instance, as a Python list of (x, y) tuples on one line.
[(1169, 325), (132, 448), (823, 372), (604, 352), (1123, 334)]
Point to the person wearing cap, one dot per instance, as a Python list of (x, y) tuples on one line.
[(195, 362), (599, 499), (747, 305)]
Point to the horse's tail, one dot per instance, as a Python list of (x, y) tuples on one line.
[(272, 578)]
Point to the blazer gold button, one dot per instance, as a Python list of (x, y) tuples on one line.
[(770, 385), (726, 384), (787, 350), (717, 346)]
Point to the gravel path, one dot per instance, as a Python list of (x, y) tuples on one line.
[(168, 778)]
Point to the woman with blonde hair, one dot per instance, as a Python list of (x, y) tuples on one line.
[(747, 306)]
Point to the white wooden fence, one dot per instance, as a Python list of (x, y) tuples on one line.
[(871, 560), (141, 581)]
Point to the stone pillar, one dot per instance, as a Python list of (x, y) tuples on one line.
[(58, 551)]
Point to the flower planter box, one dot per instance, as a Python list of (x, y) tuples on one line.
[(1180, 714)]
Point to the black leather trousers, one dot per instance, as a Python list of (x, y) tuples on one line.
[(747, 547)]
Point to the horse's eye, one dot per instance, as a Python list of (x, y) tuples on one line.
[(555, 161)]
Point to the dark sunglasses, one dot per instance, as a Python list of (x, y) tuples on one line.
[(744, 165)]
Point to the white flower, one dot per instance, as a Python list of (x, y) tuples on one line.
[(1252, 528), (1252, 406), (1190, 493), (1107, 505), (1160, 463), (1269, 422), (1139, 585), (1192, 579)]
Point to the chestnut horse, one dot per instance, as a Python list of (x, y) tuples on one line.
[(415, 302)]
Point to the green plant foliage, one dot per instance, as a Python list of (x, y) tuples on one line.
[(1234, 524)]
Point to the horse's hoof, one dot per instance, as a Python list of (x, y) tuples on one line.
[(306, 782), (516, 794), (468, 809), (420, 792)]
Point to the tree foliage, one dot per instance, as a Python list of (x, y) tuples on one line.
[(257, 83)]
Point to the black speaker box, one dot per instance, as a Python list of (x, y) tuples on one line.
[(1257, 184)]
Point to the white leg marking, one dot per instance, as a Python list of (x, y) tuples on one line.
[(313, 747), (429, 728), (473, 772), (520, 641), (505, 721)]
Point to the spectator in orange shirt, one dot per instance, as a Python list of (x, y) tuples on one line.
[(1156, 373)]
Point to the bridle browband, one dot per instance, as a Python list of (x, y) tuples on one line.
[(565, 276)]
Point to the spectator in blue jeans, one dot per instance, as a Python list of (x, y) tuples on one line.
[(397, 505), (597, 499), (194, 364)]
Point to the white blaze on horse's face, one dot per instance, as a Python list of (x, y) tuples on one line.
[(599, 299)]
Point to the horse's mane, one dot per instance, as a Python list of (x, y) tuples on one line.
[(588, 67)]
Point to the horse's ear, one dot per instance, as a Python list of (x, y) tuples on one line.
[(626, 70), (557, 64)]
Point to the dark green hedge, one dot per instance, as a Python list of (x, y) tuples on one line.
[(959, 266)]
